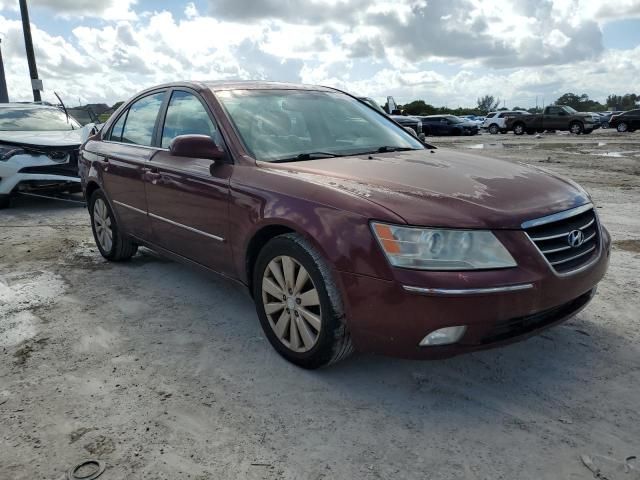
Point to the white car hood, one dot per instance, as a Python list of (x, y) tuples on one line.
[(63, 138)]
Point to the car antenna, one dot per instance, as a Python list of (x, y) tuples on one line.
[(65, 109)]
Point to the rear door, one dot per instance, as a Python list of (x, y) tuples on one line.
[(187, 198), (122, 156)]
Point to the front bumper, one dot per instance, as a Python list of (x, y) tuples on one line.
[(386, 318), (37, 171)]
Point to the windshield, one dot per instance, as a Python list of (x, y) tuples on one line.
[(280, 125), (570, 110), (35, 119)]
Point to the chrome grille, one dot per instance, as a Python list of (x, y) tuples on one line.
[(568, 240)]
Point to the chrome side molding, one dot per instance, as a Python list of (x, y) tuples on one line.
[(467, 291)]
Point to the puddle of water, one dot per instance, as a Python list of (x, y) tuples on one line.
[(491, 146)]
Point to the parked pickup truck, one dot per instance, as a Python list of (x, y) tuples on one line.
[(555, 117)]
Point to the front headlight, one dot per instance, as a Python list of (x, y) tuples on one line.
[(441, 249), (8, 151)]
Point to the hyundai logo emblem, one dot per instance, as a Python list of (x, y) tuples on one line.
[(575, 238)]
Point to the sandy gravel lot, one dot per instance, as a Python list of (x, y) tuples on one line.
[(164, 373)]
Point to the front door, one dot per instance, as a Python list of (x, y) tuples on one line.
[(123, 155), (187, 199), (555, 119)]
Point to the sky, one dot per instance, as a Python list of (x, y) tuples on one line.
[(446, 52)]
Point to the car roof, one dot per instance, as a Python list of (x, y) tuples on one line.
[(220, 85)]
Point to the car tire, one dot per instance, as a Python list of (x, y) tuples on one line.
[(5, 201), (313, 334), (622, 127), (576, 128), (493, 129), (112, 244), (519, 129), (604, 125)]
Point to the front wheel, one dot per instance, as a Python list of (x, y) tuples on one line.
[(494, 129), (299, 304), (605, 125), (623, 127), (113, 245), (576, 128)]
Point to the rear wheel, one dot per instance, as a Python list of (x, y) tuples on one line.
[(519, 129), (299, 304), (113, 245), (576, 128), (623, 127)]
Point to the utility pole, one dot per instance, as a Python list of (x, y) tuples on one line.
[(4, 94), (36, 84)]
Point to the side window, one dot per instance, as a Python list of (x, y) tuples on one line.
[(554, 111), (141, 120), (186, 115), (116, 131)]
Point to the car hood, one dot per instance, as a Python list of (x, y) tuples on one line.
[(64, 138), (443, 187)]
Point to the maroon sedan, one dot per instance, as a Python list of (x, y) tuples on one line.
[(349, 232)]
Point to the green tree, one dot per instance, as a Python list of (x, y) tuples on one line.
[(488, 103), (582, 103), (627, 101)]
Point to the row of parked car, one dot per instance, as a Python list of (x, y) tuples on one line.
[(560, 117)]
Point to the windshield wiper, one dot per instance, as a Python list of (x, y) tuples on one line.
[(307, 156), (386, 149)]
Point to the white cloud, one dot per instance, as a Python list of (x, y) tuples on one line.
[(445, 52)]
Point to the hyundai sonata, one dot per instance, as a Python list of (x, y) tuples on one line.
[(348, 231)]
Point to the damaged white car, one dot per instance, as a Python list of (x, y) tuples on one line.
[(38, 150)]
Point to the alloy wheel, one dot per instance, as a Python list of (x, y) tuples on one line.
[(622, 127), (102, 223), (292, 304)]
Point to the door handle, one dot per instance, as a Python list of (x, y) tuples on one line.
[(152, 174)]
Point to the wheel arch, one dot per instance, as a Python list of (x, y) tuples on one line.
[(91, 187), (256, 243)]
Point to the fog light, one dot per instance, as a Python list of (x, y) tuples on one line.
[(444, 336)]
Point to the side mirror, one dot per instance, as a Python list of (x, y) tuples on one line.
[(411, 131), (196, 146)]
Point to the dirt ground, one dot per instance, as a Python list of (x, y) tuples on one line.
[(164, 373)]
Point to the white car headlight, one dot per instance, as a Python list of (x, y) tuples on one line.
[(441, 249)]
